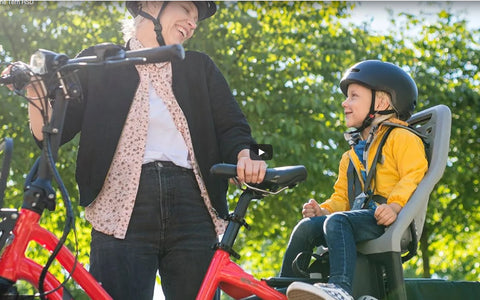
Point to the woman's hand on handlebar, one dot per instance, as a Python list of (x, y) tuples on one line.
[(35, 90), (23, 79), (5, 73), (249, 170)]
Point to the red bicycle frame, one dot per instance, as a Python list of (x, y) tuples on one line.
[(15, 266), (234, 281)]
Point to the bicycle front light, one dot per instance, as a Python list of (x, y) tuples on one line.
[(38, 63), (45, 61)]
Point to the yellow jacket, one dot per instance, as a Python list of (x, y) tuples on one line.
[(400, 168)]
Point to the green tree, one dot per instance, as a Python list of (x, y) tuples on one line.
[(447, 71)]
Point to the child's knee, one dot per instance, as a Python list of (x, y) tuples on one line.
[(304, 229), (335, 221)]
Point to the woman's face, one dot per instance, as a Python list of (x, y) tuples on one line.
[(357, 105), (179, 21)]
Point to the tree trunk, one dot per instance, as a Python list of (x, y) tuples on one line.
[(425, 253)]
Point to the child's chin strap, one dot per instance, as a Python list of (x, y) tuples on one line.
[(371, 114)]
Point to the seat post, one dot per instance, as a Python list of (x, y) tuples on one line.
[(373, 284), (237, 219), (392, 261)]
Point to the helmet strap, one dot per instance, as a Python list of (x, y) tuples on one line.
[(157, 27), (386, 112), (370, 116)]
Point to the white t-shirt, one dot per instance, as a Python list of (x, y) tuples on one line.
[(164, 141)]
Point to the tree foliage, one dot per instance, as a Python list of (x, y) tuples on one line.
[(283, 61)]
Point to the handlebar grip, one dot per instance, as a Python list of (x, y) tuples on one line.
[(226, 170), (7, 79), (19, 76), (158, 54)]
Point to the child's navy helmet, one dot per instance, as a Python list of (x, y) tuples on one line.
[(387, 77)]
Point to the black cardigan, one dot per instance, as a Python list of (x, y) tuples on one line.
[(218, 128)]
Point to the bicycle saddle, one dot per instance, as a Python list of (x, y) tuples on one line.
[(279, 177)]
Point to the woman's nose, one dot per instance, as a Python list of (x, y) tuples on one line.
[(192, 24)]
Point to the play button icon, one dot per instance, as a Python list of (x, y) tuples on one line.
[(261, 152)]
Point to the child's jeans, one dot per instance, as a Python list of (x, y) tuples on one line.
[(339, 232)]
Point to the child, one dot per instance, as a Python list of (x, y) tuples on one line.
[(376, 92)]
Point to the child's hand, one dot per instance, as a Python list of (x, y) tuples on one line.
[(312, 209), (386, 214)]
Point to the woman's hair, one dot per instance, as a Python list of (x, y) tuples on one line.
[(129, 24), (379, 95)]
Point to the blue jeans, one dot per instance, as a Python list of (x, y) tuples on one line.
[(339, 232), (170, 231)]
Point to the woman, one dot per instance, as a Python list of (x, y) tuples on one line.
[(148, 137)]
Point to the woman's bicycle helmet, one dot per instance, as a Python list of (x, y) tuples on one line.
[(383, 76), (205, 9)]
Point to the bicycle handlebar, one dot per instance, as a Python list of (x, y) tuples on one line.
[(158, 54), (47, 62), (112, 54)]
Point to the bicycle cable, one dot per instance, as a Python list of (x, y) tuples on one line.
[(69, 226), (263, 192), (43, 107)]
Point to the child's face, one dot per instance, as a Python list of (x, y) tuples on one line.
[(357, 104)]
